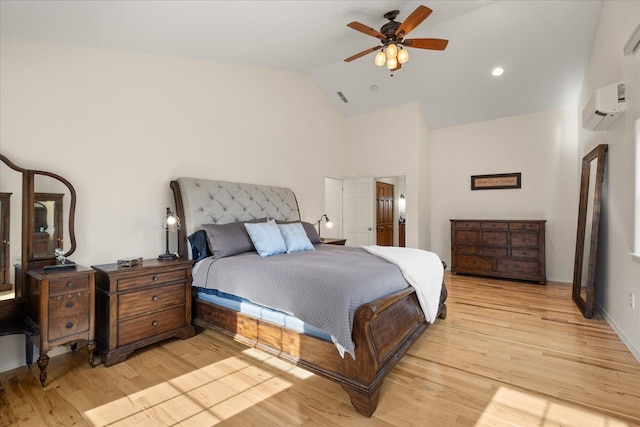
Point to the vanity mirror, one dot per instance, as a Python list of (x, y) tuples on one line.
[(37, 211), (584, 270)]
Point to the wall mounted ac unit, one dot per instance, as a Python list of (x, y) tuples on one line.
[(604, 107)]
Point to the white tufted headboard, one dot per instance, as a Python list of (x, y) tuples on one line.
[(204, 201)]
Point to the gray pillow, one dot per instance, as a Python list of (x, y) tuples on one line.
[(309, 228), (229, 239)]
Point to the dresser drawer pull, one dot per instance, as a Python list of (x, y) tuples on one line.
[(155, 298), (68, 304), (155, 278), (69, 284), (69, 325), (154, 323)]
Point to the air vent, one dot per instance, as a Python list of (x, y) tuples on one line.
[(341, 95)]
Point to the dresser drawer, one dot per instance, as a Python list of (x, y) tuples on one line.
[(68, 315), (151, 299), (64, 285), (469, 250), (524, 226), (512, 266), (495, 226), (467, 237), (494, 237), (467, 224), (494, 252), (143, 280), (525, 253), (473, 264), (139, 328), (524, 239)]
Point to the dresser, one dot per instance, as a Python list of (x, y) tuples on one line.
[(512, 249), (61, 308), (141, 305)]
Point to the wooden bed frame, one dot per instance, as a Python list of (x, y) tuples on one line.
[(383, 331)]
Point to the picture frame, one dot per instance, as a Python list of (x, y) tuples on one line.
[(496, 181)]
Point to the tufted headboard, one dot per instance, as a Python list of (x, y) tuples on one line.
[(205, 201)]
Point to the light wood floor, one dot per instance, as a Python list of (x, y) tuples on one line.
[(509, 354)]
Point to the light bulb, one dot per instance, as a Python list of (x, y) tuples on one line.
[(392, 63), (329, 225), (403, 56), (379, 59), (392, 51)]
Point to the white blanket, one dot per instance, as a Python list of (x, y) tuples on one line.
[(422, 269)]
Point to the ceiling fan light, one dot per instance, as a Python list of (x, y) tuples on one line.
[(392, 51), (392, 63), (403, 56), (380, 59)]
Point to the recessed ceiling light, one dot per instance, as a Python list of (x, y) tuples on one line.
[(374, 88), (497, 71)]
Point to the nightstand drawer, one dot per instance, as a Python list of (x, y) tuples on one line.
[(68, 304), (148, 300), (131, 283), (65, 285), (139, 328)]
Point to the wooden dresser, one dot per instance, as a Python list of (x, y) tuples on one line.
[(61, 308), (513, 249), (140, 305)]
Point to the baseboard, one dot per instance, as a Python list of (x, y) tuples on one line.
[(623, 337)]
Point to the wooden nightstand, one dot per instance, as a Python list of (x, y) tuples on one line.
[(61, 305), (141, 305), (333, 241)]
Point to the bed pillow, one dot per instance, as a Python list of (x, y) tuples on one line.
[(266, 238), (309, 228), (295, 237), (229, 239)]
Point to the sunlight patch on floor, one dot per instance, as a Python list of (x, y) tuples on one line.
[(513, 407), (205, 396), (278, 364)]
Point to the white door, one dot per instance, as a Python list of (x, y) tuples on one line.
[(358, 211)]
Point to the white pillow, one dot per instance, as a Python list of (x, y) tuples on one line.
[(295, 237), (266, 238)]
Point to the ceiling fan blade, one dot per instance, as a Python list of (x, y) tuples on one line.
[(363, 53), (413, 20), (367, 30), (434, 44)]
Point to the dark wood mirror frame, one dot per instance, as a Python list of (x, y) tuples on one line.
[(584, 275), (13, 311)]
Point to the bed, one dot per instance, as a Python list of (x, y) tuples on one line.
[(382, 330)]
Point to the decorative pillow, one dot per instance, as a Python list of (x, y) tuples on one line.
[(309, 228), (229, 239), (266, 238), (199, 245), (295, 237)]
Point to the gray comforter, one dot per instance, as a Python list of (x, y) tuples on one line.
[(323, 288)]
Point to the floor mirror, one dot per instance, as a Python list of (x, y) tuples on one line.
[(584, 270)]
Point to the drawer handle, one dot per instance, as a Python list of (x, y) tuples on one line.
[(155, 298), (154, 323), (68, 304), (155, 278), (69, 285), (69, 325)]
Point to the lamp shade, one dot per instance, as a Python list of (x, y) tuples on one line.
[(392, 51), (380, 59), (403, 56), (392, 63)]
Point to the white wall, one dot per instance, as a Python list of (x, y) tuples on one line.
[(119, 126), (619, 272), (542, 146), (386, 143)]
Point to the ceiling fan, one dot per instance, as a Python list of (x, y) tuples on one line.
[(391, 35)]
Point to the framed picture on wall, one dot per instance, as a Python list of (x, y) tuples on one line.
[(496, 181)]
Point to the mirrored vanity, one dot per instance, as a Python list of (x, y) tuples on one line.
[(37, 210)]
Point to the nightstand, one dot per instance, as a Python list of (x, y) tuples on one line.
[(333, 241), (61, 306), (141, 305)]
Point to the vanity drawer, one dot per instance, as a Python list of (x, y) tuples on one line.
[(64, 285), (68, 304), (139, 328), (151, 299), (150, 279), (68, 315)]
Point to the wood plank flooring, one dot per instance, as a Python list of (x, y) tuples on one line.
[(508, 354)]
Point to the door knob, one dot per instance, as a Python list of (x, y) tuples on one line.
[(369, 228)]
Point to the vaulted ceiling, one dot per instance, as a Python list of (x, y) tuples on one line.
[(543, 46)]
